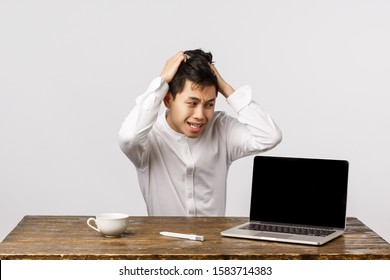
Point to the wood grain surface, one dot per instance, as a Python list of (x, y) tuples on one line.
[(69, 237)]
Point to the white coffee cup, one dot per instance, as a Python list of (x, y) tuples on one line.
[(110, 224)]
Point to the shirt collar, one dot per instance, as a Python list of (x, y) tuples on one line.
[(178, 137)]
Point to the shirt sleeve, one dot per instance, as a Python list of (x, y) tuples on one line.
[(254, 131), (133, 134)]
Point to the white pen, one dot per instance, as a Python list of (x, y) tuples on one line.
[(182, 235)]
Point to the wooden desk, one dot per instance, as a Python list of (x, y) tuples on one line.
[(69, 237)]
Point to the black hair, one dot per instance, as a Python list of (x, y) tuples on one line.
[(195, 69)]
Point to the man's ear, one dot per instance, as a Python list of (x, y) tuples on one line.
[(168, 99)]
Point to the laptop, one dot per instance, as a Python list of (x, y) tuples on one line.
[(296, 200)]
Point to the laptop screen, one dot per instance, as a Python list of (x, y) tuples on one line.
[(299, 191)]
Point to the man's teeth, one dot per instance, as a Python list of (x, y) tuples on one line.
[(195, 125)]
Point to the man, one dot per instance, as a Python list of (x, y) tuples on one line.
[(182, 157)]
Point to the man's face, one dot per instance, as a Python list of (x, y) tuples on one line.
[(191, 109)]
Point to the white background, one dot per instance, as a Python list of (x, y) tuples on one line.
[(195, 269), (70, 71)]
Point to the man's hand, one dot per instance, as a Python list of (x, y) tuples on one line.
[(223, 87), (171, 66)]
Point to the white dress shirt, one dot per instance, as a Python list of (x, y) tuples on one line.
[(181, 176)]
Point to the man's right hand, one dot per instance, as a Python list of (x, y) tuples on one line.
[(171, 66)]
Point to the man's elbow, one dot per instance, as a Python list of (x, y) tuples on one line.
[(133, 145), (273, 139), (125, 142), (278, 136)]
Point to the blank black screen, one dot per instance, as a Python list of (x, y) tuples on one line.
[(299, 191)]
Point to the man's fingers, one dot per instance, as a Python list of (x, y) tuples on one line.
[(172, 65)]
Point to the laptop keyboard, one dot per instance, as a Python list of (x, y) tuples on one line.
[(288, 229)]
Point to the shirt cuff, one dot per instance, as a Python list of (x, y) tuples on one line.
[(240, 98), (156, 84), (154, 94)]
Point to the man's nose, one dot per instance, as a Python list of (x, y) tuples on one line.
[(199, 113)]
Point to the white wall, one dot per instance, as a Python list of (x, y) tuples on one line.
[(70, 71)]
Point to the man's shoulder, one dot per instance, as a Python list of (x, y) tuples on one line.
[(221, 121), (221, 116)]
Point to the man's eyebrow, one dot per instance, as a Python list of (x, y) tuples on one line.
[(193, 98), (198, 99)]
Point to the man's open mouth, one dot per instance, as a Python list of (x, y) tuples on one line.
[(196, 125)]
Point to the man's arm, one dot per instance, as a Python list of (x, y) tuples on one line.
[(254, 131), (133, 135)]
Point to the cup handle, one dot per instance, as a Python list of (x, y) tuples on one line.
[(89, 224)]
